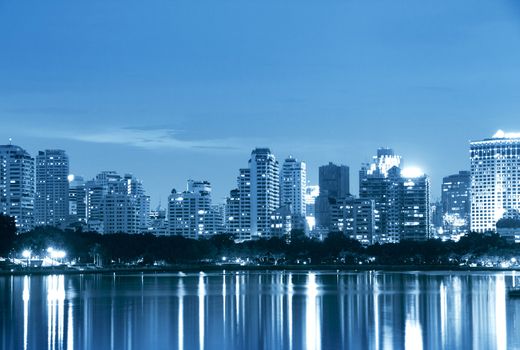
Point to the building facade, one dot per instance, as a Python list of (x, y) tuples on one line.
[(52, 188), (265, 190), (117, 204), (415, 207), (401, 198), (238, 207), (191, 213), (17, 186), (355, 219), (334, 184), (77, 201), (293, 188), (456, 205), (380, 181), (495, 180)]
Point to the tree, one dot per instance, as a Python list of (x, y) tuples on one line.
[(7, 234)]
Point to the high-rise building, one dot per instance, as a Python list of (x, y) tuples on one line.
[(334, 183), (96, 191), (456, 205), (238, 208), (401, 198), (415, 207), (311, 193), (355, 218), (188, 210), (380, 181), (281, 222), (117, 204), (293, 187), (214, 220), (249, 207), (265, 190), (495, 180), (17, 186), (52, 188), (77, 200), (158, 222)]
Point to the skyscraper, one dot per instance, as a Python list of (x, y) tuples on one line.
[(52, 188), (456, 206), (415, 206), (311, 193), (77, 200), (238, 207), (495, 180), (402, 198), (380, 181), (17, 186), (189, 211), (293, 187), (117, 204), (265, 190), (249, 207), (334, 182), (355, 218)]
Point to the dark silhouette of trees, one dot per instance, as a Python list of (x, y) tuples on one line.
[(89, 247), (7, 233)]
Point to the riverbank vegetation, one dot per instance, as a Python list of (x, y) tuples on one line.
[(123, 249)]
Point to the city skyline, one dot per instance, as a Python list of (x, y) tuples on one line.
[(242, 175), (177, 86), (158, 196)]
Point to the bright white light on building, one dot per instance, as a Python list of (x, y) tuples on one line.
[(70, 177), (500, 134), (412, 172), (56, 254), (26, 254)]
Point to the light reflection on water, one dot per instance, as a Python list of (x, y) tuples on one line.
[(260, 310)]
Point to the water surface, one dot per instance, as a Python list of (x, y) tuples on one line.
[(260, 310)]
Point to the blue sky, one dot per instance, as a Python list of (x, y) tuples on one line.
[(171, 90)]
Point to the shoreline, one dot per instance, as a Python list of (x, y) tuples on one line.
[(233, 268)]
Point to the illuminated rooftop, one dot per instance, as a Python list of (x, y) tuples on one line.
[(412, 172), (501, 134)]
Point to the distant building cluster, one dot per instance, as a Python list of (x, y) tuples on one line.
[(276, 200)]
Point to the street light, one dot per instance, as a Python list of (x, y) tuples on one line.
[(27, 255), (56, 254)]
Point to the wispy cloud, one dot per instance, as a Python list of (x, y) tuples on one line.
[(148, 138)]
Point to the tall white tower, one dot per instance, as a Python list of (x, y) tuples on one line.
[(17, 186), (52, 188), (265, 190), (293, 187), (495, 180)]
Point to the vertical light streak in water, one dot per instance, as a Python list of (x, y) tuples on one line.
[(61, 311), (202, 294), (280, 296), (290, 293), (375, 284), (312, 324), (457, 308), (342, 318), (224, 300), (70, 328), (237, 299), (25, 296), (444, 313), (413, 331), (501, 321), (180, 319), (55, 310), (112, 311), (49, 312)]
